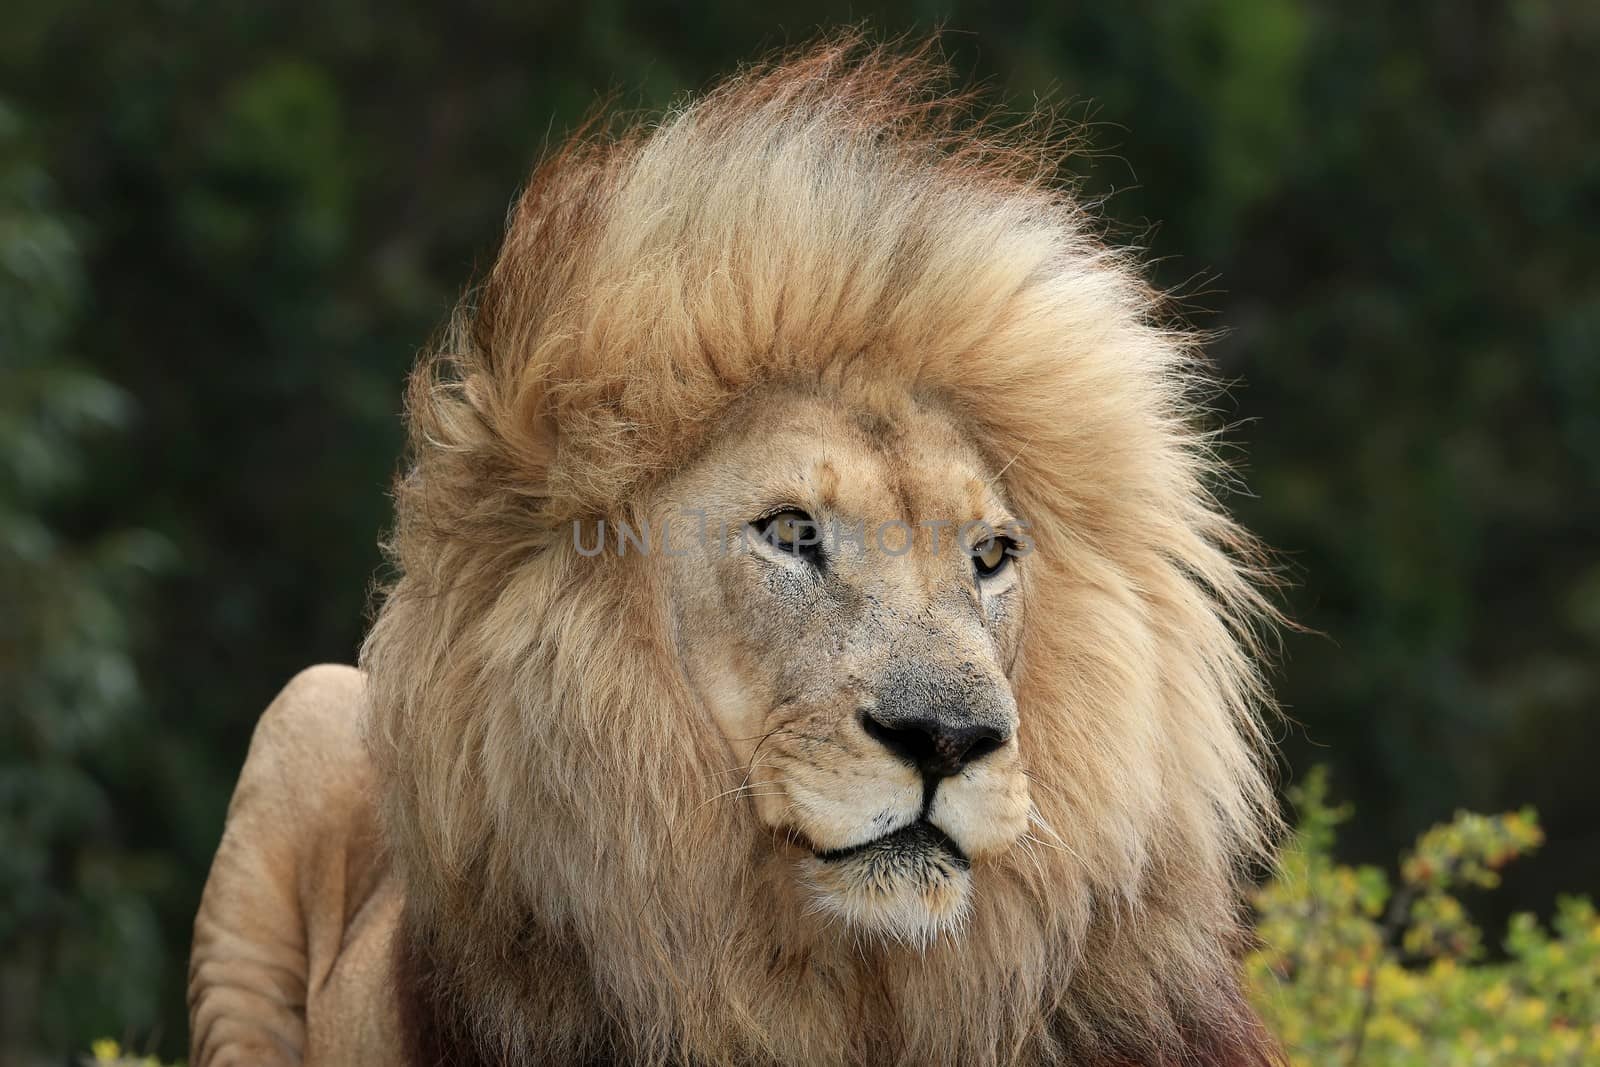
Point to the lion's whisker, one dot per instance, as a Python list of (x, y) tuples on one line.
[(1037, 819), (736, 790)]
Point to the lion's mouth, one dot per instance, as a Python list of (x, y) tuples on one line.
[(909, 884), (916, 840)]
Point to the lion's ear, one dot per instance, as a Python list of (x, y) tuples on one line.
[(470, 432), (531, 437), (514, 425)]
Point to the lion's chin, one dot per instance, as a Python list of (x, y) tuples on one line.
[(912, 885)]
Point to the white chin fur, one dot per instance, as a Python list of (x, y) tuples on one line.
[(908, 893)]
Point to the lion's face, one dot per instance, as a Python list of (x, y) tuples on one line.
[(849, 610)]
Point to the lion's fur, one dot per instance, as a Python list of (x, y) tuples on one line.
[(831, 219)]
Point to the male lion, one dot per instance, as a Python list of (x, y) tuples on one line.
[(814, 639)]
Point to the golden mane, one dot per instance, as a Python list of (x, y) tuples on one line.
[(832, 217)]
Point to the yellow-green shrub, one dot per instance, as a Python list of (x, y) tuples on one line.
[(1351, 970), (108, 1053)]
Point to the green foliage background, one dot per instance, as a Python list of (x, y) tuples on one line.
[(226, 228)]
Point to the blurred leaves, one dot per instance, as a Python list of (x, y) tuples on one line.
[(70, 890), (272, 184)]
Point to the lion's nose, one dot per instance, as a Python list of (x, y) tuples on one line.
[(938, 749)]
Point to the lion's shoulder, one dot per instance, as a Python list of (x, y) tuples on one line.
[(307, 784), (299, 908), (312, 730)]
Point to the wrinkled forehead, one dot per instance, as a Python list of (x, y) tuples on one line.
[(878, 458)]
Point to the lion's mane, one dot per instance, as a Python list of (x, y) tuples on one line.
[(570, 894)]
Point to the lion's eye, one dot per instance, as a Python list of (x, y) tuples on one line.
[(791, 531), (991, 556)]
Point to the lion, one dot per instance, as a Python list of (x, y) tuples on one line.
[(815, 638)]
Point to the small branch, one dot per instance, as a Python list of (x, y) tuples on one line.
[(1393, 923)]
